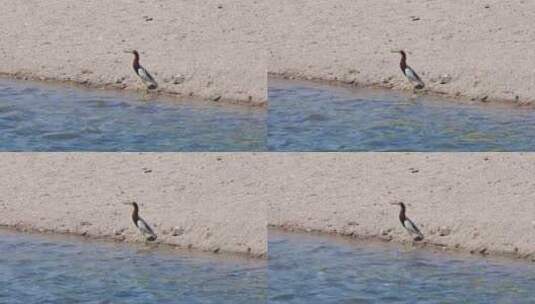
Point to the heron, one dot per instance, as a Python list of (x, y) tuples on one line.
[(409, 72), (143, 74), (140, 223), (408, 224)]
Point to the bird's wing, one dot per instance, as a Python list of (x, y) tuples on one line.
[(145, 75), (411, 74), (144, 227), (411, 227)]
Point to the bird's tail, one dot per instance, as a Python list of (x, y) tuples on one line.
[(152, 237), (419, 237)]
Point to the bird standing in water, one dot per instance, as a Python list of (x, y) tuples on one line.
[(408, 224), (143, 227), (143, 74), (409, 72)]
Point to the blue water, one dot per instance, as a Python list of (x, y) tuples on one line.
[(302, 268), (317, 269), (36, 117), (45, 269), (304, 116)]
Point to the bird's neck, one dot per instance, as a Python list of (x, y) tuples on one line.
[(135, 214), (135, 64), (402, 216), (403, 63)]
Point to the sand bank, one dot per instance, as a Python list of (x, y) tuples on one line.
[(481, 203), (201, 48), (474, 49), (204, 201)]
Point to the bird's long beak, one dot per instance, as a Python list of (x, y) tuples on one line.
[(128, 51), (394, 203), (395, 51), (127, 203)]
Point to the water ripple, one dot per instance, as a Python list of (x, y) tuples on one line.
[(319, 269), (324, 118), (35, 117), (75, 271)]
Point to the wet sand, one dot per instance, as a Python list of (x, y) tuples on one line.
[(471, 202), (474, 50), (206, 201), (200, 48)]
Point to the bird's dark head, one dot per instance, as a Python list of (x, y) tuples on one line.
[(133, 204), (402, 52), (132, 52)]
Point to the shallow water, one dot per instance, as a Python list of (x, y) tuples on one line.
[(45, 269), (318, 269), (303, 116), (37, 117)]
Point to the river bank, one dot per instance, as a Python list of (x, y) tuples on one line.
[(192, 49), (480, 203), (200, 201), (476, 50)]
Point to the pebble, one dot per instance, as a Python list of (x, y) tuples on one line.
[(386, 232), (177, 231), (444, 231), (444, 79), (178, 79)]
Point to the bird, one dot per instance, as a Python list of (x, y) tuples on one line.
[(140, 223), (408, 224), (143, 74), (409, 72)]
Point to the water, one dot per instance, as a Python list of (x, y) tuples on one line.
[(35, 117), (309, 117), (314, 269), (45, 269), (301, 269)]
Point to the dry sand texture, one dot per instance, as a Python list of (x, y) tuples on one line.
[(206, 201), (210, 49), (485, 47), (478, 202)]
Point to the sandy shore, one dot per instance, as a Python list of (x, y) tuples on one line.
[(483, 46), (481, 203), (471, 202), (204, 201), (203, 48)]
